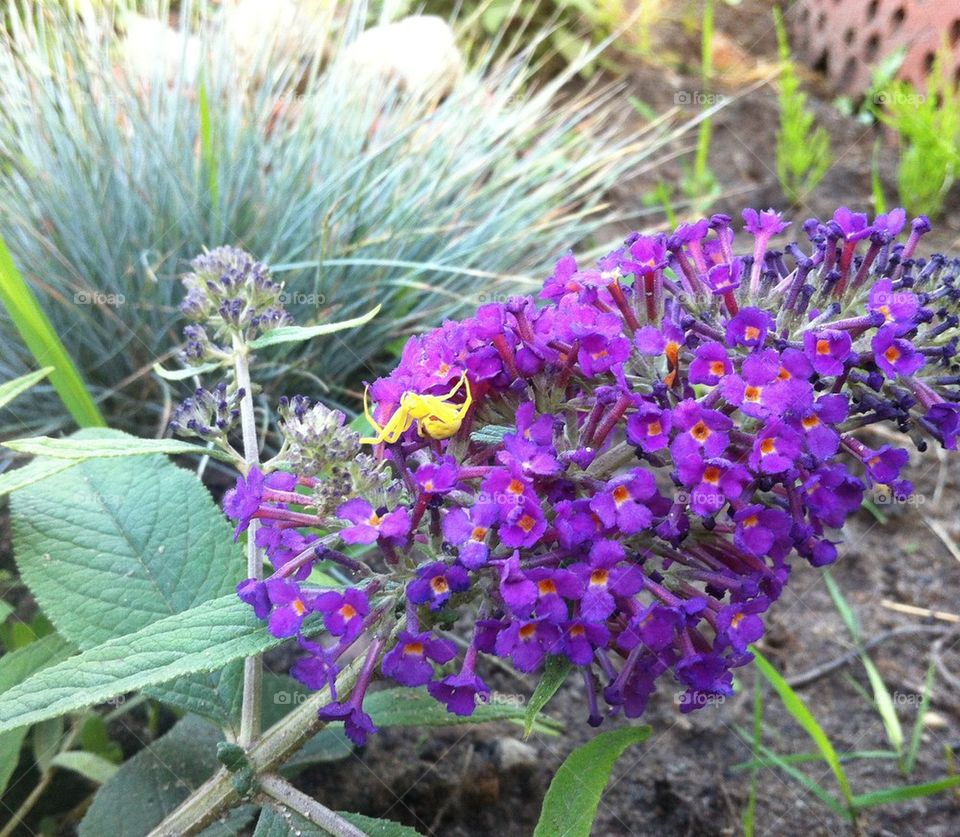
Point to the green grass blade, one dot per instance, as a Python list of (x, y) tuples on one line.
[(799, 776), (804, 758), (882, 698), (891, 795), (846, 612), (208, 153), (801, 713), (915, 735), (43, 342), (750, 813), (11, 389)]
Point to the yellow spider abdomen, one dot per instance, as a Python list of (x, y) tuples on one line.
[(436, 417)]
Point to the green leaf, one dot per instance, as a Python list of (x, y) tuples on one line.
[(204, 638), (889, 795), (183, 374), (11, 389), (95, 738), (555, 673), (10, 744), (20, 664), (491, 434), (121, 445), (115, 545), (916, 733), (330, 744), (44, 343), (297, 334), (110, 547), (14, 667), (798, 709), (46, 739), (32, 472), (216, 695), (403, 707), (571, 802), (89, 765), (156, 780), (272, 823)]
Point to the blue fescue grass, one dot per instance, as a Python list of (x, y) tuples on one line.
[(110, 184)]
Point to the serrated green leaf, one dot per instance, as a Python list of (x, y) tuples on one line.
[(297, 334), (798, 709), (118, 544), (31, 473), (571, 802), (156, 780), (215, 695), (272, 823), (204, 638), (403, 707), (5, 610), (82, 449), (110, 547), (555, 674), (11, 389), (17, 665), (89, 765)]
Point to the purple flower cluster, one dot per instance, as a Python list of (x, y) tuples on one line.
[(647, 449)]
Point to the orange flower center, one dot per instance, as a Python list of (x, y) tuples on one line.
[(299, 607), (527, 523), (527, 632), (750, 522), (515, 487), (717, 368), (768, 446), (892, 354), (751, 332), (753, 393), (823, 347), (478, 534), (577, 631), (621, 494), (700, 432), (654, 428), (439, 585), (414, 649), (347, 611), (711, 475), (810, 422), (598, 578), (546, 586)]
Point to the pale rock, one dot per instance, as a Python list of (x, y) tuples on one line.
[(511, 754), (150, 49), (419, 53)]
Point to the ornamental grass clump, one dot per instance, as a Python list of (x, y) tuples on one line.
[(617, 474), (121, 157)]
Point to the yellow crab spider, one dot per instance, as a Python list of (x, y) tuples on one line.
[(435, 417)]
